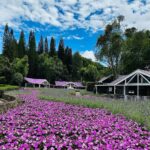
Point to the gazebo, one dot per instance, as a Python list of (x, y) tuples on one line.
[(39, 82), (136, 84)]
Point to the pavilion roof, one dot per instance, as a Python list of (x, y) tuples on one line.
[(36, 81)]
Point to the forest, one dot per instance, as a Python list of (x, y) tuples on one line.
[(43, 60), (122, 50)]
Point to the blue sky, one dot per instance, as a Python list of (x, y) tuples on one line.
[(79, 22)]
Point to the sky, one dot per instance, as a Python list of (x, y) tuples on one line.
[(78, 22)]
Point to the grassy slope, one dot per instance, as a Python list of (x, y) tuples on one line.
[(136, 110)]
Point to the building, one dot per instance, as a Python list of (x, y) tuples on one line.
[(136, 84), (69, 85), (34, 82)]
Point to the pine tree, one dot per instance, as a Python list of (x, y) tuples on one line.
[(68, 59), (32, 55), (21, 45), (46, 45), (61, 50), (12, 45), (52, 47), (14, 48), (7, 42), (40, 46)]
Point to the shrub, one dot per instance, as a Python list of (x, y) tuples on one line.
[(17, 78)]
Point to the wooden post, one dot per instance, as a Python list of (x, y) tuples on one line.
[(124, 91), (114, 90), (96, 89), (138, 86)]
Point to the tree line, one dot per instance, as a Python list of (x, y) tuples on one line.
[(124, 50), (42, 60)]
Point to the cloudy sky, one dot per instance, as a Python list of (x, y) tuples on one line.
[(79, 22)]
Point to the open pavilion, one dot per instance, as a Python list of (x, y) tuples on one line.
[(34, 82), (135, 84)]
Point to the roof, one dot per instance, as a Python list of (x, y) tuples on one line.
[(145, 72), (124, 77), (36, 81), (104, 78), (120, 77), (65, 83)]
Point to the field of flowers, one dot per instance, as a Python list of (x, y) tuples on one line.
[(138, 111), (44, 125)]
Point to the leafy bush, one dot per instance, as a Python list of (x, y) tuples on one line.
[(17, 78)]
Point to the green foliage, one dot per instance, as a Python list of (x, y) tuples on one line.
[(41, 46), (61, 50), (21, 46), (52, 52), (85, 69), (46, 45), (9, 43), (32, 55), (17, 78), (110, 45), (42, 63), (5, 70), (76, 66), (136, 51), (8, 70), (49, 68), (21, 65), (68, 59), (89, 73)]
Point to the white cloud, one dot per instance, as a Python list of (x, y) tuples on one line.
[(76, 37), (68, 14), (89, 54)]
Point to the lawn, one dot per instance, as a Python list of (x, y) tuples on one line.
[(47, 125), (5, 87), (138, 111)]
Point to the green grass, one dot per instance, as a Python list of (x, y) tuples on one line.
[(5, 87), (138, 111)]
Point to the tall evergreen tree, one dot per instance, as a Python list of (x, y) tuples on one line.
[(21, 45), (52, 47), (7, 42), (41, 46), (32, 54), (46, 45), (13, 47), (68, 59), (61, 50)]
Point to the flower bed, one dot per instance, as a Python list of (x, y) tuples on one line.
[(46, 125)]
